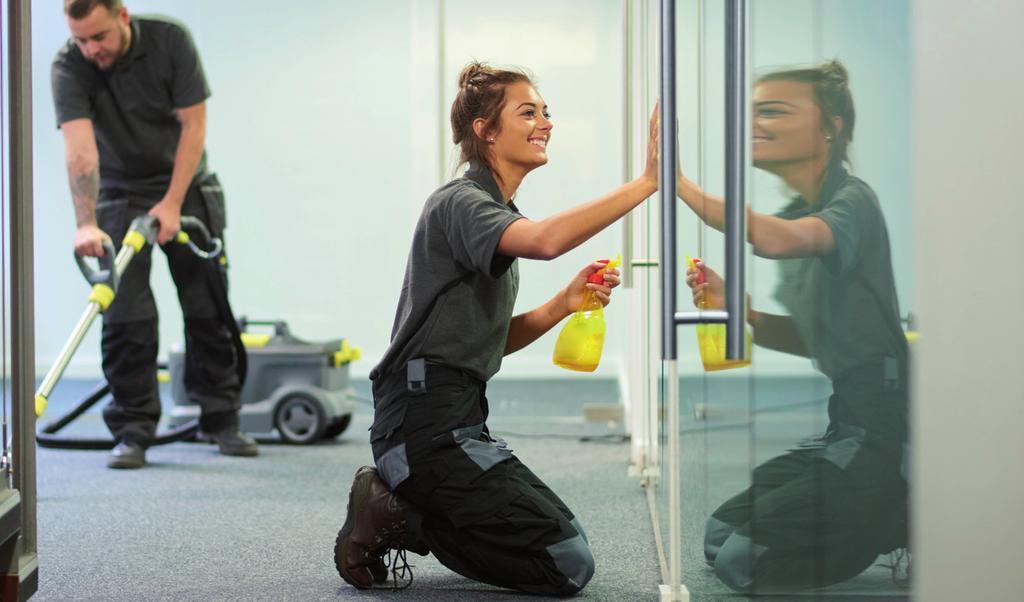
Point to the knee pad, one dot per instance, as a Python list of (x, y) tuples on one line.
[(575, 561), (736, 561), (715, 534)]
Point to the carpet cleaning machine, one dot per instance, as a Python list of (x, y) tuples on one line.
[(299, 389)]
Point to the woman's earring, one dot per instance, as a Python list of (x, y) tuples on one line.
[(490, 139), (828, 138)]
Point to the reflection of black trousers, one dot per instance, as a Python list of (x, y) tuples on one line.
[(130, 333), (819, 516), (475, 506)]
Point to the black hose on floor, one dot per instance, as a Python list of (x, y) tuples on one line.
[(47, 437)]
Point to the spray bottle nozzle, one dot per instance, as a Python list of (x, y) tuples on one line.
[(695, 263), (598, 276)]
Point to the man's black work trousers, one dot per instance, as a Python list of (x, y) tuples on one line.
[(130, 333)]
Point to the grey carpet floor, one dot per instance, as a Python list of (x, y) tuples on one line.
[(195, 525)]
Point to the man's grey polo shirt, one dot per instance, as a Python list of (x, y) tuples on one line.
[(459, 292), (132, 105)]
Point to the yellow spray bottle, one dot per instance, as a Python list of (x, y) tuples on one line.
[(711, 337), (580, 343)]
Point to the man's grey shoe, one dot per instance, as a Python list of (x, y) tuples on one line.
[(233, 442), (127, 455)]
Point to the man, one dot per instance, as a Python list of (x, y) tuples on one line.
[(130, 100)]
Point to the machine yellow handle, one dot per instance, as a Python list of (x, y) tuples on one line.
[(346, 354), (40, 405), (253, 340), (102, 295), (135, 240)]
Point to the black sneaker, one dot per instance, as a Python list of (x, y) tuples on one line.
[(233, 442), (127, 455)]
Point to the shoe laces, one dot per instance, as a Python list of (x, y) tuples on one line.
[(398, 566), (899, 565)]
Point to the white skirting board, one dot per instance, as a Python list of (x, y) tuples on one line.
[(668, 595)]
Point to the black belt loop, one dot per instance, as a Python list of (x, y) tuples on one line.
[(416, 376)]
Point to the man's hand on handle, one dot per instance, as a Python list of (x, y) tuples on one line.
[(89, 241), (168, 214)]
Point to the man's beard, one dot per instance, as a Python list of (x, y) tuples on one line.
[(121, 51)]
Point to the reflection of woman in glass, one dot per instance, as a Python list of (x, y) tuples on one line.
[(821, 514)]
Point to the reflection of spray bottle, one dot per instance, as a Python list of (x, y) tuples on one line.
[(711, 337), (580, 343)]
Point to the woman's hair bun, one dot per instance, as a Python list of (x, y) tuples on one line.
[(835, 73), (473, 74)]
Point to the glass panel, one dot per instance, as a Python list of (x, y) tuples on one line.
[(646, 234), (843, 299), (715, 406), (773, 502)]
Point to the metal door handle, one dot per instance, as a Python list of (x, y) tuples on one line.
[(735, 169)]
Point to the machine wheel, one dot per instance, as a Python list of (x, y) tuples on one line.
[(300, 419), (337, 427)]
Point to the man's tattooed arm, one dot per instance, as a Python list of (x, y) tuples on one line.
[(84, 190)]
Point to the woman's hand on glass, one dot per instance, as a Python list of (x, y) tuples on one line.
[(683, 184), (653, 149)]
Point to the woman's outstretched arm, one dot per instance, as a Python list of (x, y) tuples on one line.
[(776, 332), (566, 230), (772, 237), (770, 331)]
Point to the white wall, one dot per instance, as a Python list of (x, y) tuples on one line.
[(325, 127), (968, 403)]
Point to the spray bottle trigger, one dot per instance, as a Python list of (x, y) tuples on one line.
[(598, 276), (695, 263)]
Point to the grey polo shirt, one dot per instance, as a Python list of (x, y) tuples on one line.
[(132, 105), (844, 304), (458, 293)]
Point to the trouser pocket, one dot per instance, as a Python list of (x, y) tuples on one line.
[(212, 195)]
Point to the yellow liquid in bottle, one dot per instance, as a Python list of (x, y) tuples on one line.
[(581, 341)]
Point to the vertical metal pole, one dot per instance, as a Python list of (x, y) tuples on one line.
[(667, 177), (22, 315), (627, 136), (667, 185), (442, 131), (675, 556), (22, 578), (736, 111)]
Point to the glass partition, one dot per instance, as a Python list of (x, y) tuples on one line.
[(792, 472)]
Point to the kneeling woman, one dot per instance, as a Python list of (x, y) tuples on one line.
[(442, 484)]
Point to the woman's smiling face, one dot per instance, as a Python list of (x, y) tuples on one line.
[(786, 127), (524, 128)]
